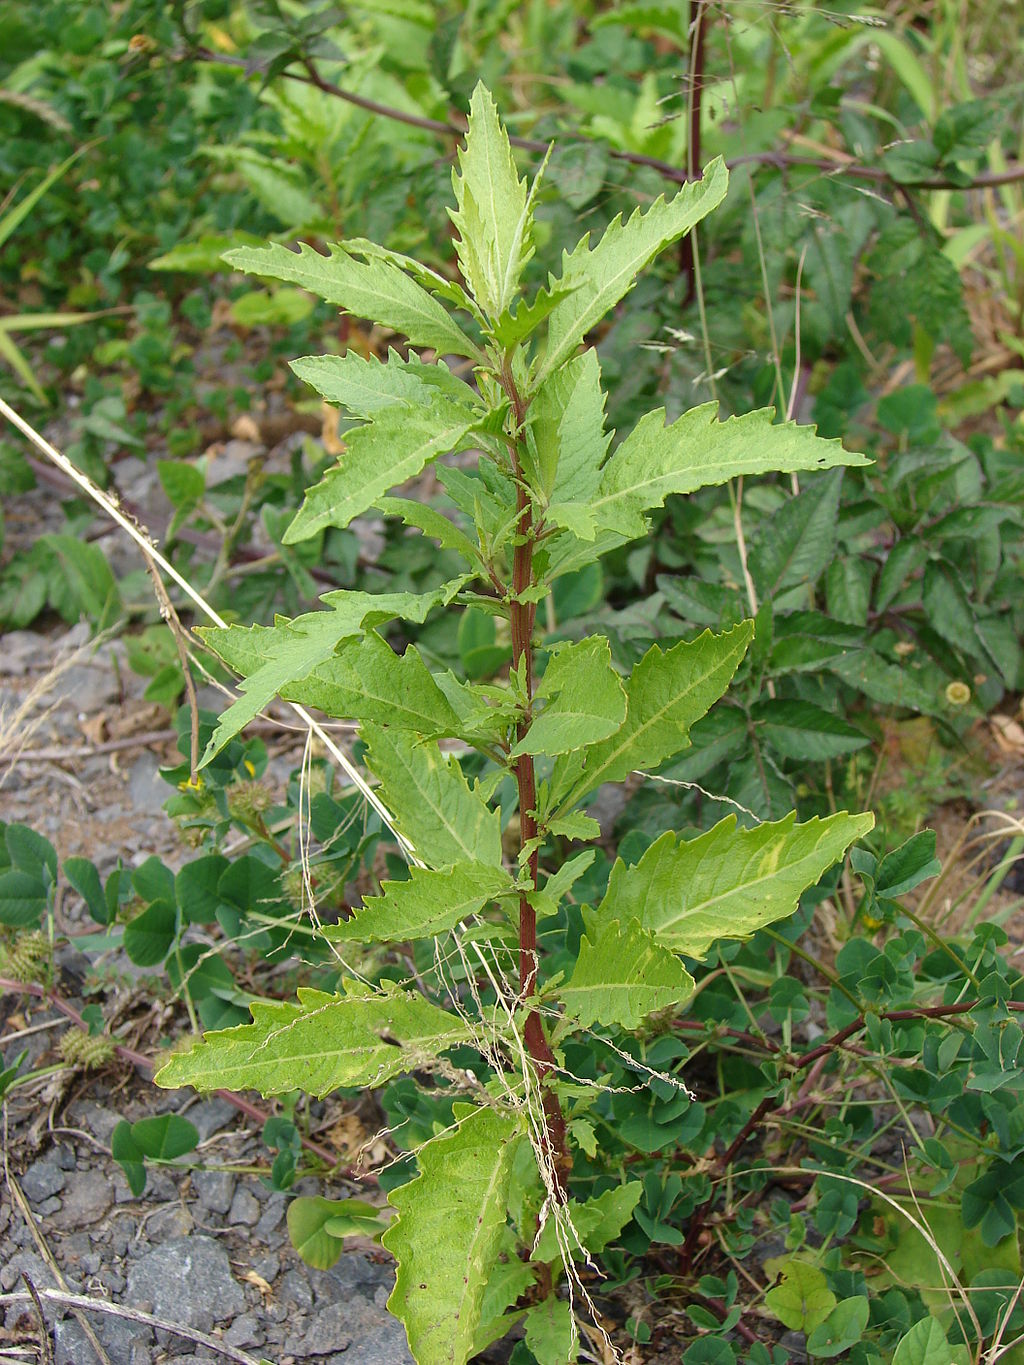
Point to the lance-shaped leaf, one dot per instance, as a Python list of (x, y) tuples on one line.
[(586, 700), (448, 1233), (621, 975), (667, 692), (432, 523), (322, 1042), (493, 218), (600, 277), (367, 680), (272, 657), (728, 882), (375, 289), (697, 450), (429, 903), (395, 446), (568, 442), (434, 807), (365, 386)]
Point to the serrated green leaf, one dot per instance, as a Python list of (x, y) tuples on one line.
[(322, 1042), (272, 657), (568, 442), (666, 693), (432, 523), (585, 698), (728, 882), (597, 1221), (551, 1333), (429, 903), (395, 446), (698, 450), (448, 1234), (796, 545), (493, 218), (374, 289), (367, 680), (621, 975), (433, 804), (803, 731), (599, 278), (365, 386)]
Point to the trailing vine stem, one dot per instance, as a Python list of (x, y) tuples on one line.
[(522, 614)]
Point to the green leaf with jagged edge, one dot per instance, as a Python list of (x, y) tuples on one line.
[(395, 446), (597, 1221), (622, 975), (432, 803), (493, 217), (374, 289), (365, 386), (322, 1042), (517, 322), (448, 1233), (600, 277), (585, 699), (798, 542), (271, 657), (434, 524), (567, 441), (367, 680), (429, 903), (551, 1334), (655, 460), (728, 882), (667, 692)]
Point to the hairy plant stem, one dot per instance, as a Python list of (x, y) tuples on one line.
[(522, 615)]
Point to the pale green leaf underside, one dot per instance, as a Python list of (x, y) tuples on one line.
[(448, 1233), (374, 289), (429, 903), (728, 882), (587, 700), (698, 450), (667, 692), (395, 446), (599, 278), (621, 975), (320, 1043), (364, 387), (433, 805), (272, 657)]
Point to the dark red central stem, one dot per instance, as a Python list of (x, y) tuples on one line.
[(522, 614)]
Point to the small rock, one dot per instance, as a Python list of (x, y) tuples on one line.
[(22, 652), (244, 1331), (329, 1331), (267, 1268), (172, 1221), (294, 1288), (87, 1197), (43, 1179), (32, 1265), (210, 1116), (270, 1217), (215, 1189), (117, 1337), (189, 1282), (244, 1209), (48, 1207), (147, 791)]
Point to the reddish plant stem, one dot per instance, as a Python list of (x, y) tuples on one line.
[(698, 15), (521, 617), (144, 1063)]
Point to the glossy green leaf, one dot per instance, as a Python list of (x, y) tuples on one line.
[(842, 1329), (429, 903), (622, 974), (322, 1042), (448, 1233), (584, 696), (165, 1136), (728, 882)]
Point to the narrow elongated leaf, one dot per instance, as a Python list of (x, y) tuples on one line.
[(432, 523), (432, 802), (587, 699), (364, 387), (667, 692), (492, 217), (374, 289), (429, 903), (448, 1232), (728, 882), (322, 1042), (796, 545), (622, 974), (599, 278), (801, 730), (272, 657), (567, 438), (698, 450), (395, 446), (367, 680)]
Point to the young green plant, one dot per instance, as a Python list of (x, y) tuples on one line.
[(488, 1226)]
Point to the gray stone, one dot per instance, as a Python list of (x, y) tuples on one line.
[(87, 687), (95, 1119), (32, 1265), (87, 1197), (116, 1336), (42, 1179), (270, 1217), (147, 791), (244, 1331), (215, 1189), (267, 1267), (22, 651), (210, 1116), (244, 1209), (171, 1221), (294, 1288), (188, 1281), (330, 1331)]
